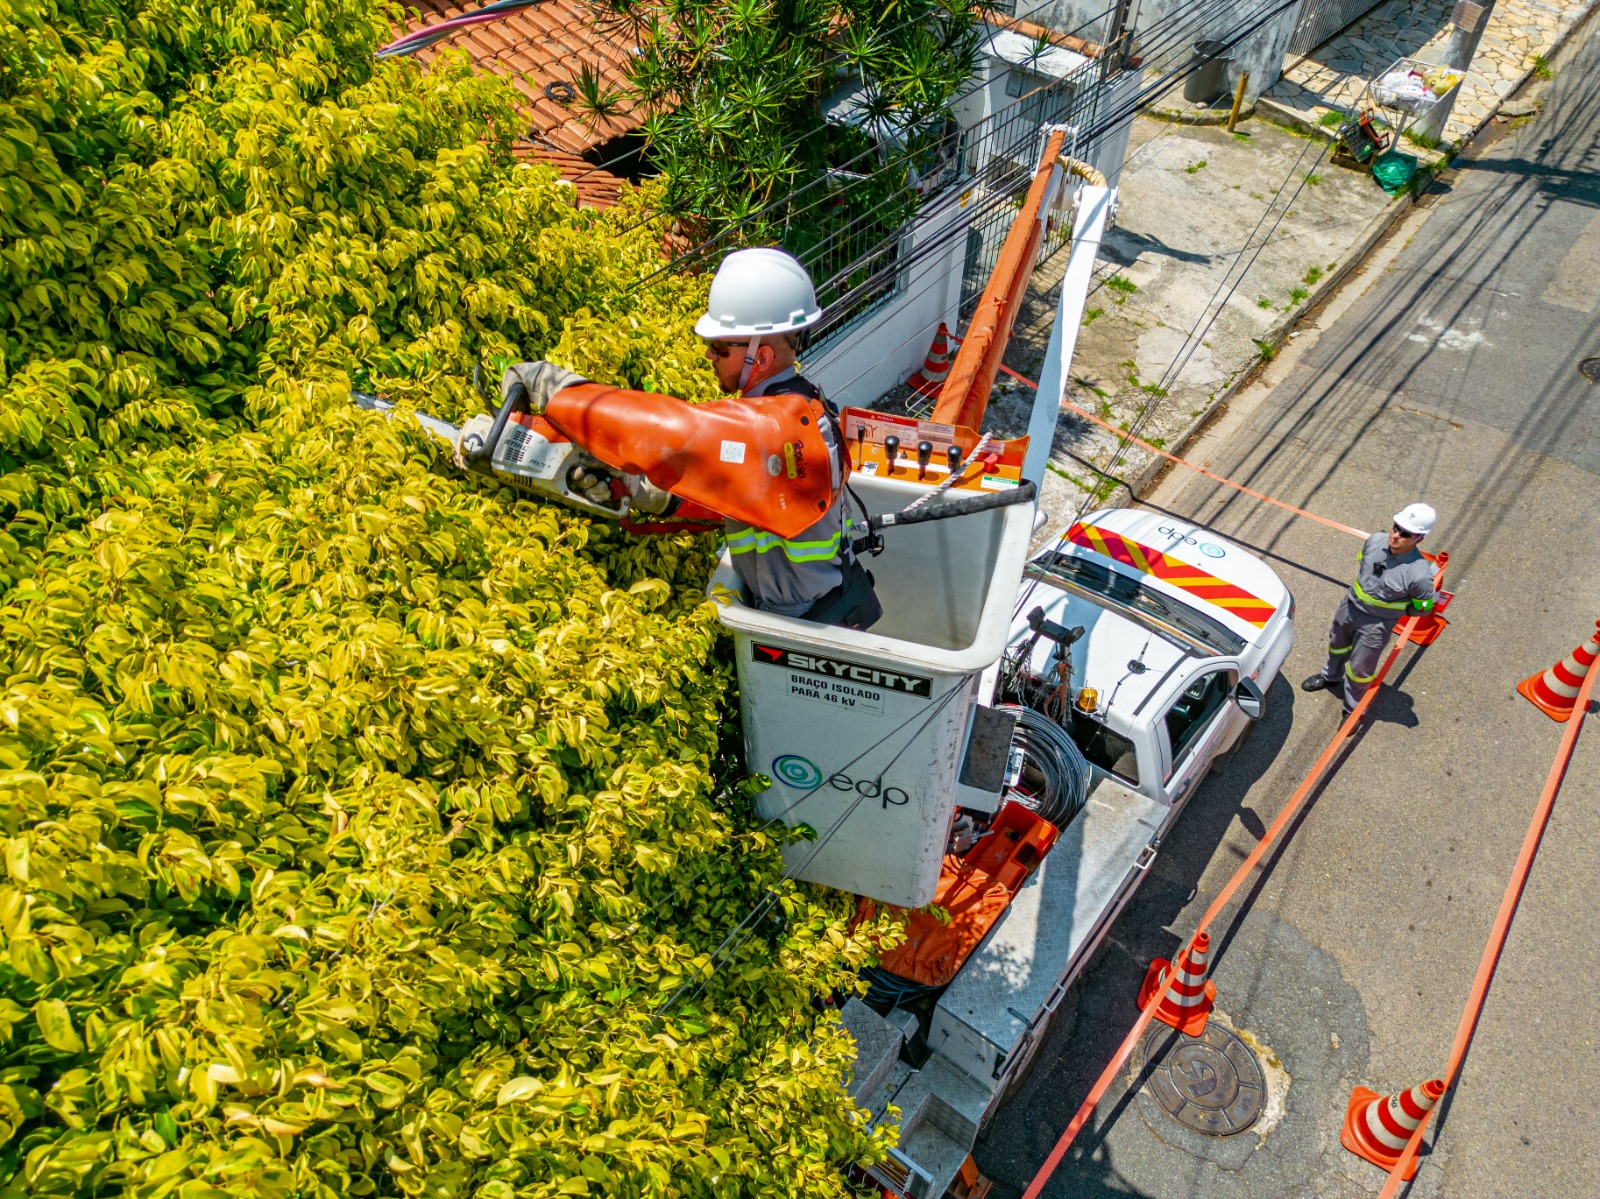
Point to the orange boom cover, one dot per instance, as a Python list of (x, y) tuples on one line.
[(974, 890), (757, 460)]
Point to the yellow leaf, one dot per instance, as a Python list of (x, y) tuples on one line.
[(55, 1025), (518, 1090)]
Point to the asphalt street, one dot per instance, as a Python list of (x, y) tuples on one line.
[(1447, 372)]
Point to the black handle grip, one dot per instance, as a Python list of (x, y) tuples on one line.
[(480, 459), (1022, 493), (1060, 634)]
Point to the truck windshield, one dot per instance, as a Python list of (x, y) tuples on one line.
[(1155, 611)]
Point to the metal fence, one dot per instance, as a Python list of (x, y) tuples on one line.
[(1004, 157), (1321, 19), (865, 267)]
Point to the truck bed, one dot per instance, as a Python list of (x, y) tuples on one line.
[(984, 1021), (993, 1016)]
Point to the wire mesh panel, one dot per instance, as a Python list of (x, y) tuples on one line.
[(1321, 19), (861, 266)]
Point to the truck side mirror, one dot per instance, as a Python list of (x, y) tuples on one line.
[(1249, 698)]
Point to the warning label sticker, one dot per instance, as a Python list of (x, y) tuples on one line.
[(836, 693)]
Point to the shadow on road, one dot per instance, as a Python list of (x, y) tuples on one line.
[(1077, 1049)]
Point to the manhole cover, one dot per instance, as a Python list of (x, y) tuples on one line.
[(1211, 1083), (1590, 369)]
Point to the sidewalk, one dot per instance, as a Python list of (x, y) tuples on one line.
[(1191, 199), (1330, 78)]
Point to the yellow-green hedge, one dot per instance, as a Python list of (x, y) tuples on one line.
[(358, 819)]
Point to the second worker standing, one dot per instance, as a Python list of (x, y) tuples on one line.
[(1393, 579)]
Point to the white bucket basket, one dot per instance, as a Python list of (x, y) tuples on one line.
[(862, 732)]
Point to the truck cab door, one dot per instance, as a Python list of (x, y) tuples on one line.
[(1195, 724)]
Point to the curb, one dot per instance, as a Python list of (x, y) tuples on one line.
[(1182, 116), (1290, 118)]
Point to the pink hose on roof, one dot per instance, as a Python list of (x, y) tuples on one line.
[(418, 39)]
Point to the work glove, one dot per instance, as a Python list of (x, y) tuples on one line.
[(540, 380)]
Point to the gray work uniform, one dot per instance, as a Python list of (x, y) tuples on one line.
[(788, 576), (1387, 587)]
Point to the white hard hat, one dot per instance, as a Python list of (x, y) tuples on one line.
[(1416, 518), (758, 292)]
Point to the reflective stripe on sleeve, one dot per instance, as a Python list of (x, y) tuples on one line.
[(1378, 603)]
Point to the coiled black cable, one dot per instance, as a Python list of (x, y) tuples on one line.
[(1053, 779)]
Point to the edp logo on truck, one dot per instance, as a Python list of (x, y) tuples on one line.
[(840, 670)]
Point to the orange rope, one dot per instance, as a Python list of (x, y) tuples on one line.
[(1104, 424), (1502, 924), (1125, 1050)]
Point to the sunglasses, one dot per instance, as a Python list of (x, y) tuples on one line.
[(721, 349), (1405, 532)]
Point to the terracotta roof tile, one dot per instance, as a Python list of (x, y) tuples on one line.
[(595, 188), (546, 44), (1028, 29)]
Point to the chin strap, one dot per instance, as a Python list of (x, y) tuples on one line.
[(749, 362)]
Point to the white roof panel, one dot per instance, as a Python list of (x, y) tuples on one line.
[(1020, 51)]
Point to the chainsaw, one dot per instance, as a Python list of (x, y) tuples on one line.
[(613, 452), (528, 453)]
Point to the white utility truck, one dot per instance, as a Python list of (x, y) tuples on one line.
[(883, 740), (1013, 740)]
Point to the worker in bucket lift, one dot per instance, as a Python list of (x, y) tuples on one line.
[(761, 301), (1392, 580)]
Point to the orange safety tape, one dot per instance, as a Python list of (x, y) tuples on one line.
[(1104, 424), (1502, 924), (1125, 1050)]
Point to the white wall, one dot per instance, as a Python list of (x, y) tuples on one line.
[(1261, 53), (1107, 152)]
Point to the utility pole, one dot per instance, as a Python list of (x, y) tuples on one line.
[(1469, 19)]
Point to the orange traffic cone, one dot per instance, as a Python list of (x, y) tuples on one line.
[(1377, 1128), (1427, 629), (1188, 1005), (1555, 691), (935, 366)]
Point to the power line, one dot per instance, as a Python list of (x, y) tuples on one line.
[(771, 896), (905, 159), (1123, 113), (1144, 99), (1196, 335), (733, 940)]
